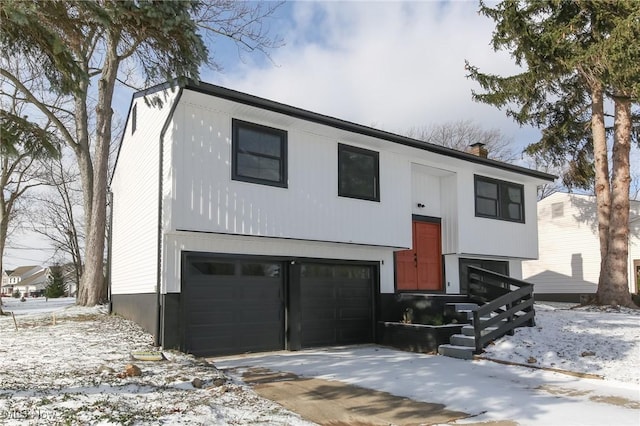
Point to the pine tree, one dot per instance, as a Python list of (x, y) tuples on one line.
[(577, 55), (56, 287)]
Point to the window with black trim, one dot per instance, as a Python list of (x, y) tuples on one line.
[(499, 199), (358, 173), (134, 118), (259, 154)]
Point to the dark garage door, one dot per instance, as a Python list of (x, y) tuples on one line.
[(232, 306), (336, 304)]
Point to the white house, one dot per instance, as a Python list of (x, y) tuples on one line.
[(26, 280), (242, 224), (569, 251)]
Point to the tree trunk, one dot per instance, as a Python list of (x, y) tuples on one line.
[(601, 158), (613, 287), (3, 237), (602, 186), (4, 221), (82, 151), (93, 288)]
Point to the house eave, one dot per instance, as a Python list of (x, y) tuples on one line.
[(299, 113), (303, 114)]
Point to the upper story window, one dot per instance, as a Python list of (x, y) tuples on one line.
[(498, 199), (259, 154), (358, 173), (134, 118)]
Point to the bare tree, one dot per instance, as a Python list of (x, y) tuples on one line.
[(84, 48), (634, 189), (58, 215), (21, 151), (540, 162), (463, 133)]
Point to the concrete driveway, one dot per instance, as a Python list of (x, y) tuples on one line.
[(372, 385)]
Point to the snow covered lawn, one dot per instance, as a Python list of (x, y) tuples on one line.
[(605, 342), (66, 365), (73, 372)]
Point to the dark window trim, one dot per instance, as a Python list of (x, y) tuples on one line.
[(282, 134), (376, 155), (501, 184), (134, 118)]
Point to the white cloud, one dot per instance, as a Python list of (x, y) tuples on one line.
[(393, 65)]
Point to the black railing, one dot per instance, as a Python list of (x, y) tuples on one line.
[(507, 303)]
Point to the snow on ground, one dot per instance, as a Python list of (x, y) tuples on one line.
[(604, 342), (70, 371)]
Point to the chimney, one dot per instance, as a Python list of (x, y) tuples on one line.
[(479, 150)]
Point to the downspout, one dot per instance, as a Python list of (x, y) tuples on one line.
[(109, 245), (165, 127)]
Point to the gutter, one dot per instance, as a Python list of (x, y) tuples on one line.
[(262, 103), (165, 127), (295, 112)]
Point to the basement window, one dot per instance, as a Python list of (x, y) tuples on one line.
[(497, 199), (259, 154)]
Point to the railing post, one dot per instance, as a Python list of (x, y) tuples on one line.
[(477, 332), (532, 321)]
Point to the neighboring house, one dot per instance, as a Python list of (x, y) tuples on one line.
[(29, 281), (242, 224), (568, 264), (6, 286)]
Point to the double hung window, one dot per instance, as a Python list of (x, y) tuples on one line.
[(498, 199), (259, 154), (358, 173)]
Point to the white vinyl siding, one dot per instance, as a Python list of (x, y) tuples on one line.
[(206, 199), (135, 187), (569, 260), (177, 242), (426, 191), (204, 209), (490, 237)]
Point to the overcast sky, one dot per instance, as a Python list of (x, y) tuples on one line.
[(390, 65)]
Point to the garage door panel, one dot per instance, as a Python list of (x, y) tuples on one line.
[(354, 313), (319, 290), (318, 313), (355, 290), (336, 304), (238, 305), (353, 335), (232, 306)]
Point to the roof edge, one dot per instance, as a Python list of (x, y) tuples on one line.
[(263, 103)]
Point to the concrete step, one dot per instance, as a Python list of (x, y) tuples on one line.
[(453, 351), (467, 330), (463, 340), (460, 311), (483, 319)]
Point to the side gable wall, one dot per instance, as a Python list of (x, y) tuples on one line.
[(135, 186)]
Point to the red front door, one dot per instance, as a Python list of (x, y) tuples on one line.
[(421, 267)]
